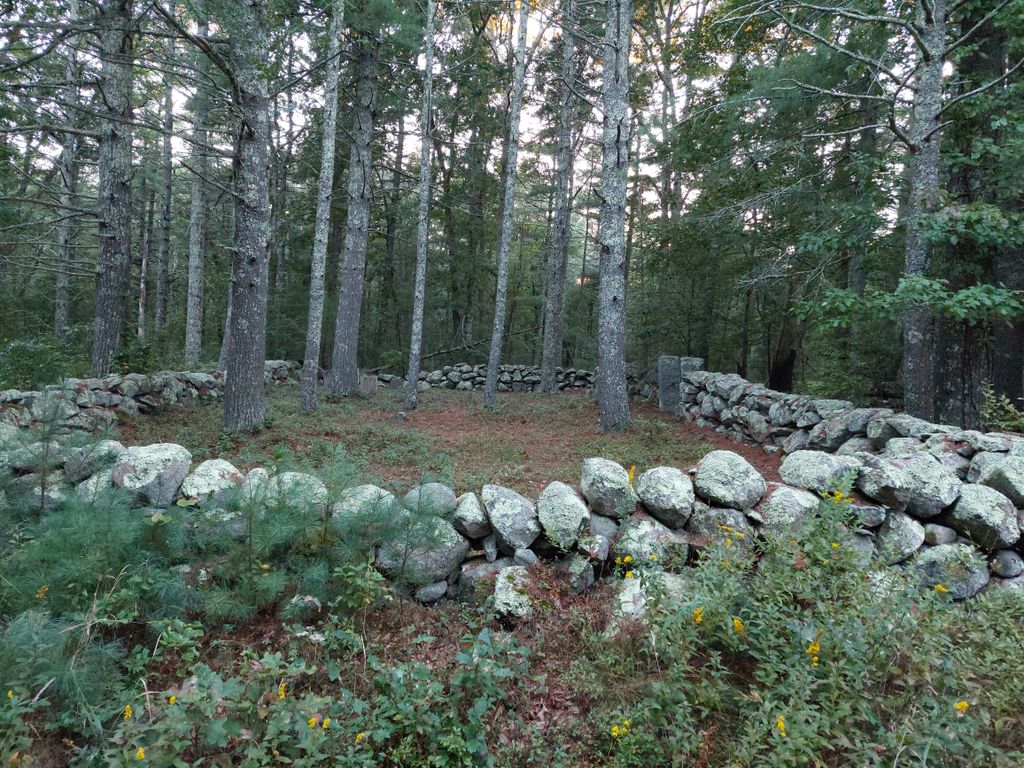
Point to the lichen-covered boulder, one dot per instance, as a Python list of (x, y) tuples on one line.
[(899, 537), (562, 515), (667, 493), (819, 471), (631, 601), (594, 546), (431, 593), (470, 518), (884, 482), (938, 534), (980, 463), (513, 518), (210, 478), (297, 489), (1007, 477), (727, 479), (364, 506), (511, 598), (154, 473), (91, 487), (431, 499), (958, 568), (933, 487), (642, 538), (84, 462), (985, 516), (580, 571), (716, 524), (473, 575), (605, 485), (426, 551), (785, 510)]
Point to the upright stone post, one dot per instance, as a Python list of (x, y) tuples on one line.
[(669, 372)]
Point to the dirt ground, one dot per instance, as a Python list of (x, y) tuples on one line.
[(525, 443)]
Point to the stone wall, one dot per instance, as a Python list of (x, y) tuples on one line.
[(90, 404)]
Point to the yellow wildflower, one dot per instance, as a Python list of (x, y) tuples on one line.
[(627, 559), (41, 592), (360, 736), (698, 614), (632, 473), (10, 694), (326, 723), (127, 711), (941, 589), (629, 574), (836, 545), (653, 558), (281, 690), (738, 626), (780, 725), (961, 707), (618, 561), (172, 700), (313, 722), (141, 754), (69, 743), (615, 731), (728, 543), (814, 649)]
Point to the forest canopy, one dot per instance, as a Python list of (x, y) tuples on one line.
[(819, 195)]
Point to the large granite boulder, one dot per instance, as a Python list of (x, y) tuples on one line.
[(933, 487), (1007, 477), (427, 551), (470, 518), (562, 515), (727, 479), (606, 487), (785, 510), (667, 493), (513, 518), (431, 499), (511, 598), (958, 568), (642, 538), (884, 482), (718, 524), (84, 462), (985, 516), (154, 473), (899, 537), (210, 478), (818, 471)]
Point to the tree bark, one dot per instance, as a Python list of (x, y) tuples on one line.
[(612, 393), (164, 266), (923, 168), (558, 255), (423, 216), (244, 398), (194, 309), (145, 248), (114, 186), (345, 358), (507, 209), (68, 184), (324, 195)]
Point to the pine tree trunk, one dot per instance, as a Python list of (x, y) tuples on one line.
[(145, 248), (163, 268), (68, 169), (558, 255), (114, 186), (244, 397), (345, 358), (388, 311), (197, 217), (923, 168), (612, 393), (325, 191), (423, 216), (507, 209)]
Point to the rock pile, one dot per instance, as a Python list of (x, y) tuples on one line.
[(915, 512), (91, 404)]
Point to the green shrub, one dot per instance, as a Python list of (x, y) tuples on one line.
[(34, 363)]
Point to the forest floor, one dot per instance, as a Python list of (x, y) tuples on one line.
[(525, 443)]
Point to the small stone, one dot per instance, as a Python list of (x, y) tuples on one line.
[(594, 546), (869, 515), (470, 518), (899, 537), (938, 534), (1007, 563), (431, 593), (511, 599), (525, 557), (933, 487), (490, 545)]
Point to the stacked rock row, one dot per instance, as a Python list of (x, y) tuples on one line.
[(919, 514), (90, 404)]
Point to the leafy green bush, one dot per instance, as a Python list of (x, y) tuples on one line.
[(34, 363)]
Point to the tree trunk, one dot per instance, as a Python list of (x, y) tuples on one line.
[(114, 186), (423, 216), (345, 358), (388, 311), (324, 195), (197, 218), (145, 248), (558, 255), (507, 209), (612, 393), (923, 167), (163, 269), (68, 183), (244, 399)]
